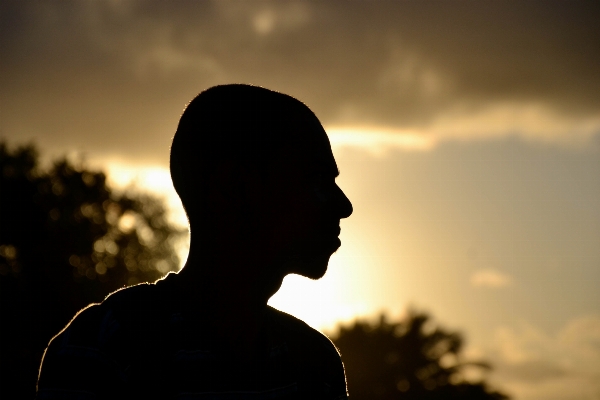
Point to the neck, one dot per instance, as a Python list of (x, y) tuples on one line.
[(228, 295), (226, 282)]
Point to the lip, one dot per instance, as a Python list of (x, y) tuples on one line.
[(336, 237), (333, 231), (327, 245), (332, 245), (335, 241), (328, 237)]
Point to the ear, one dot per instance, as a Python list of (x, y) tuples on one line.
[(222, 185), (233, 185), (252, 185)]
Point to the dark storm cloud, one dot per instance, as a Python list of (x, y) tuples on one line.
[(107, 74)]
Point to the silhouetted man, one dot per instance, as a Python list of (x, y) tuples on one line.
[(256, 176)]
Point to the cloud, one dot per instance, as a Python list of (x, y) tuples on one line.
[(490, 278), (287, 16), (378, 141), (533, 365), (582, 337), (529, 122), (456, 71)]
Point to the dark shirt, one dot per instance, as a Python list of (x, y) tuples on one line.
[(141, 343)]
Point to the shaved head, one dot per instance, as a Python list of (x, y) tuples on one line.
[(242, 123)]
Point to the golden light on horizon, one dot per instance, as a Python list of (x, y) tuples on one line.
[(331, 300)]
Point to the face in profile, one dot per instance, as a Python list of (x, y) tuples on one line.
[(308, 205)]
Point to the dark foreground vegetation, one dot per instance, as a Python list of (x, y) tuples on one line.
[(68, 240), (409, 360)]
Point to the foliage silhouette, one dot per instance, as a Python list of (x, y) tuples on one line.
[(407, 360), (66, 240)]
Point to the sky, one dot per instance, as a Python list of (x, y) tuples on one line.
[(467, 135)]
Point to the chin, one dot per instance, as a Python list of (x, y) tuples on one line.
[(314, 267), (312, 263)]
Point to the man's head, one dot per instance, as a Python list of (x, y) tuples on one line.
[(255, 172)]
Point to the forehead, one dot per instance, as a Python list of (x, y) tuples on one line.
[(308, 149)]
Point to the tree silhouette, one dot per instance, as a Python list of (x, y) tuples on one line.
[(407, 360), (66, 240)]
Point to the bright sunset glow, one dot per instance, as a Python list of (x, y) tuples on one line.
[(324, 303), (155, 179)]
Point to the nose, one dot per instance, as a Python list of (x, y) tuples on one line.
[(343, 204)]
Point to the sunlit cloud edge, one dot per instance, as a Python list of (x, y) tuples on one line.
[(530, 122), (490, 278)]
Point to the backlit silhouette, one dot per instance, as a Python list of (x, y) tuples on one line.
[(256, 175)]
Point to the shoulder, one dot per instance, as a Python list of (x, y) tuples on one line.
[(94, 323), (133, 297), (96, 342), (75, 354), (304, 336), (97, 323), (80, 333), (319, 362)]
